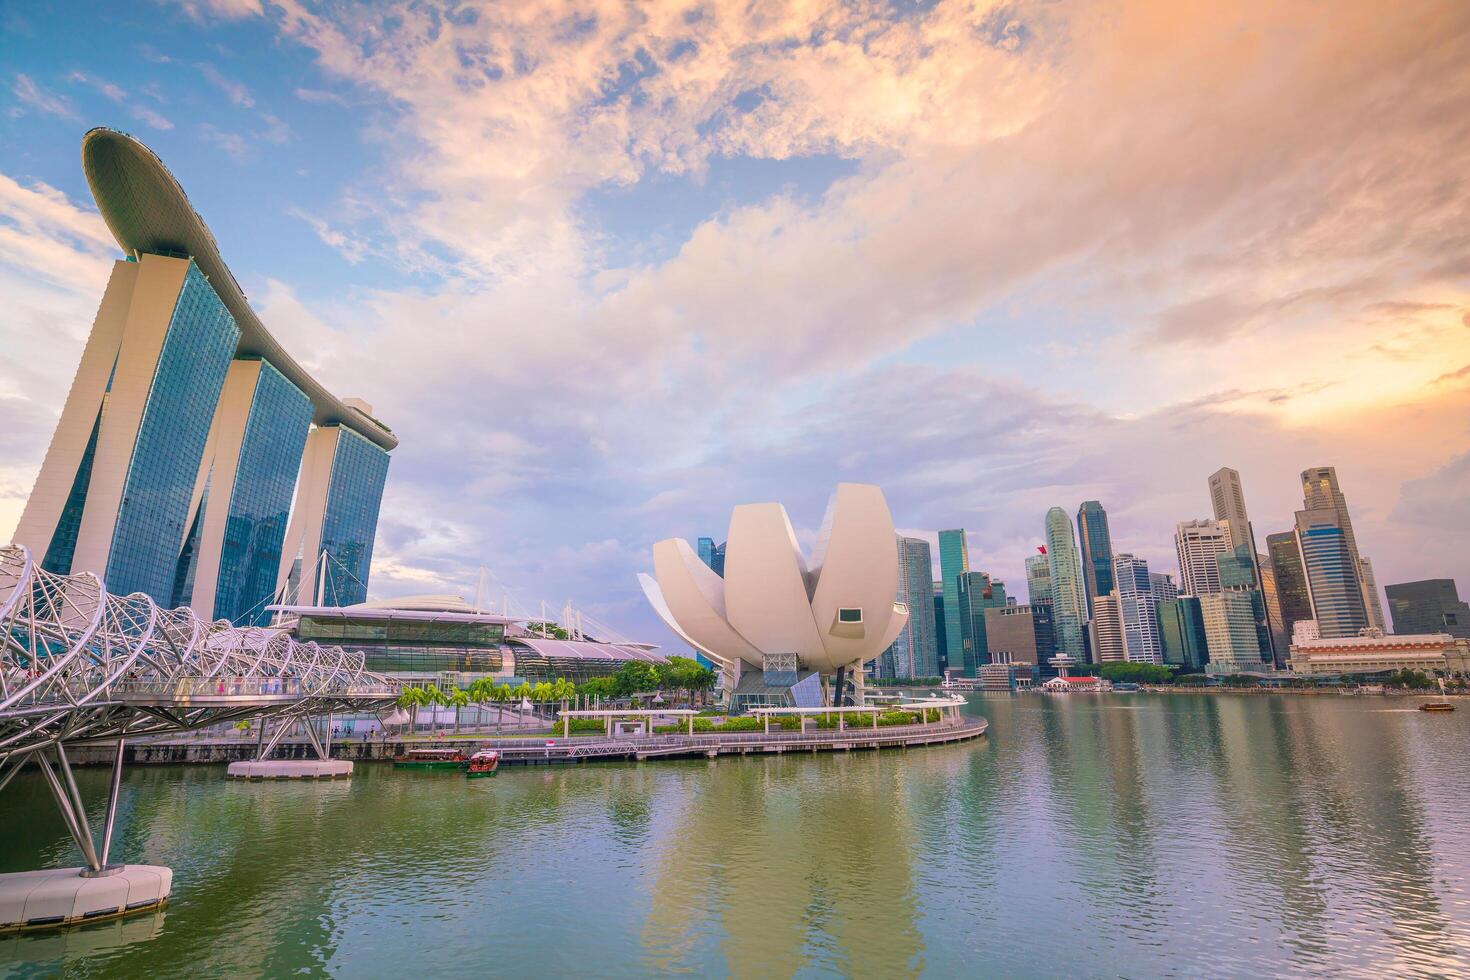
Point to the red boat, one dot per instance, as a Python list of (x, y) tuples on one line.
[(482, 763)]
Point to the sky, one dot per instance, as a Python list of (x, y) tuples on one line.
[(610, 269)]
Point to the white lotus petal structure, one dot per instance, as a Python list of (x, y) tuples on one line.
[(835, 611)]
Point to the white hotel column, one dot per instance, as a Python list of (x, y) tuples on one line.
[(83, 405)]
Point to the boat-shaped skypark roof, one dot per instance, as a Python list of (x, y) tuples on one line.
[(147, 211)]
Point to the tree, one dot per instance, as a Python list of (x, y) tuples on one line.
[(635, 677), (598, 687), (457, 699), (1135, 673)]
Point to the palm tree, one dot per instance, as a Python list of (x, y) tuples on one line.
[(457, 700), (410, 699)]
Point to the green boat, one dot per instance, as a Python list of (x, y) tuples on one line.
[(431, 759)]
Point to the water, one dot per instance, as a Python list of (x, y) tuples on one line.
[(1122, 835)]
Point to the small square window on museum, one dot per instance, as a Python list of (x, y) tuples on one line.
[(849, 615)]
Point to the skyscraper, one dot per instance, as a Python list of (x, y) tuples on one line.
[(954, 561), (1134, 594), (1228, 500), (941, 640), (1038, 580), (980, 593), (1430, 606), (1280, 644), (1106, 627), (1068, 613), (1163, 585), (1293, 597), (712, 555), (1097, 550), (1182, 633), (1331, 574), (916, 651), (1320, 491), (1022, 634), (1199, 544), (172, 468), (1230, 633)]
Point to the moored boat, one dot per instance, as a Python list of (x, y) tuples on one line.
[(482, 763), (430, 759), (1442, 703)]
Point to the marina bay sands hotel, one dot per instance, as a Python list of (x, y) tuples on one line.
[(195, 461)]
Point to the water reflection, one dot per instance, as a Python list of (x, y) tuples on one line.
[(1088, 835)]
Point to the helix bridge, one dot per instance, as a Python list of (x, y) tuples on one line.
[(81, 665)]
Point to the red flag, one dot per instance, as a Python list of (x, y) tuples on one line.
[(1041, 548)]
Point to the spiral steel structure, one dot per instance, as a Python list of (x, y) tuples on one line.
[(80, 664)]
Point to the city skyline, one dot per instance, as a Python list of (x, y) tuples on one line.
[(1048, 369)]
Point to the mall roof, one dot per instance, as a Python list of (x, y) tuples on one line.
[(147, 211), (379, 611), (587, 649)]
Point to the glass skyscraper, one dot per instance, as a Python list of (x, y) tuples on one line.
[(712, 555), (353, 499), (1430, 606), (1293, 598), (1320, 491), (916, 651), (1182, 633), (954, 561), (1068, 615), (1331, 574), (1097, 550), (980, 593), (1038, 580)]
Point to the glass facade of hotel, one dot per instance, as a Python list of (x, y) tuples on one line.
[(280, 415), (196, 353), (359, 470)]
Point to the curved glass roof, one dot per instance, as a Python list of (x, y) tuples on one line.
[(147, 211)]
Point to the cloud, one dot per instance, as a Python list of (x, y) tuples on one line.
[(111, 91), (29, 93), (237, 92), (149, 117), (235, 145)]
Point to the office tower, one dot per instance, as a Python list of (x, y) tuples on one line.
[(1238, 573), (980, 593), (1067, 612), (1331, 574), (1022, 633), (1429, 606), (1182, 633), (172, 467), (1371, 605), (941, 637), (712, 555), (1230, 633), (1106, 630), (916, 651), (1320, 491), (1163, 586), (1134, 595), (1199, 544), (1280, 642), (1038, 580), (954, 561), (1097, 550), (1293, 597), (1228, 500)]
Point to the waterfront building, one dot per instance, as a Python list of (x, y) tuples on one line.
[(1068, 606), (1097, 550), (173, 466), (712, 555), (1135, 598), (1182, 633), (447, 642), (941, 639), (1293, 598), (1430, 606), (1038, 580), (782, 627), (1238, 573), (1106, 630), (954, 561), (1374, 652), (1230, 633), (1163, 586), (1331, 573), (1022, 634), (1228, 500), (1272, 601), (1198, 545), (1320, 491), (916, 651), (980, 593)]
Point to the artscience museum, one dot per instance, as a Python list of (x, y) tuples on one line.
[(788, 630)]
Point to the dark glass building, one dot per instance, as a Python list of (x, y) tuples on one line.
[(1430, 606), (1096, 544), (1182, 633)]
